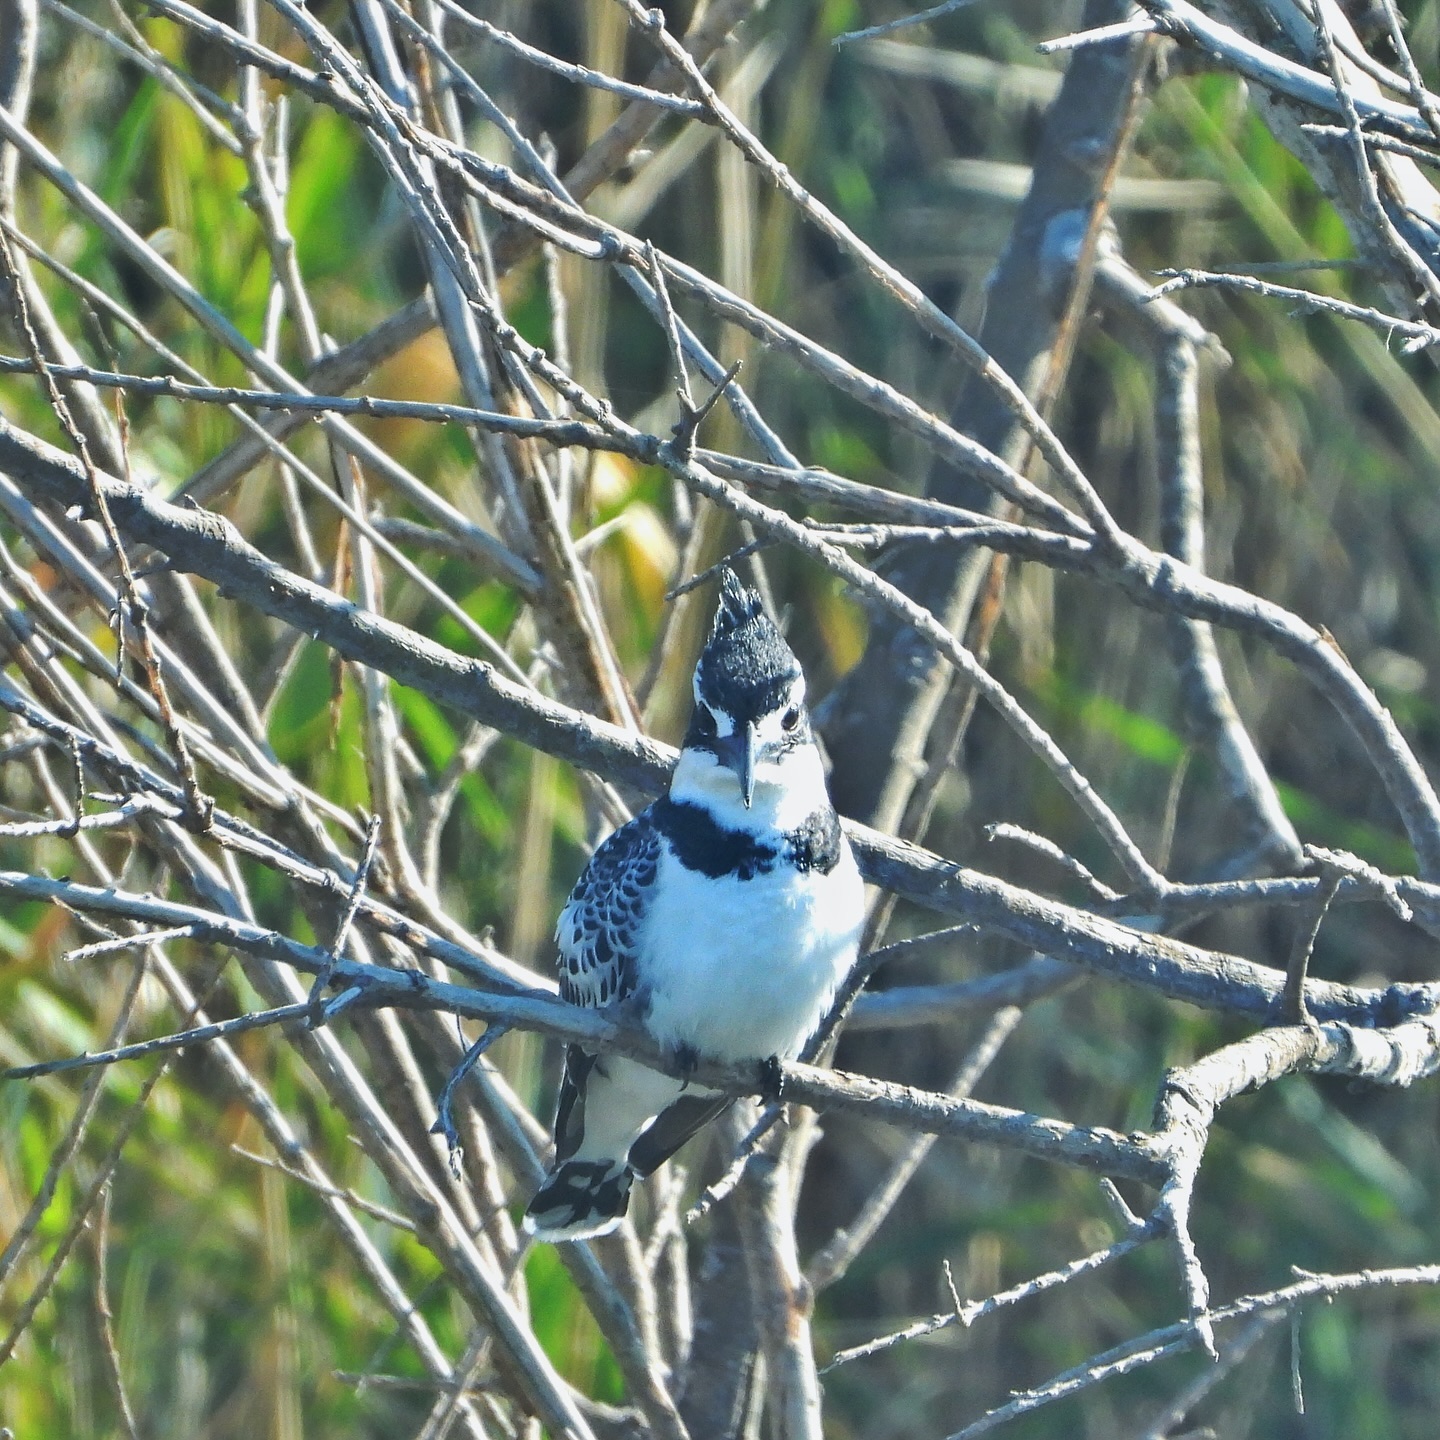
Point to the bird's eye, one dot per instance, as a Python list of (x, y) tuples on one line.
[(704, 720), (790, 719)]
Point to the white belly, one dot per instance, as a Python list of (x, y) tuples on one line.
[(745, 969)]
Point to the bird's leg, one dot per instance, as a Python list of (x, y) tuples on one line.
[(772, 1080)]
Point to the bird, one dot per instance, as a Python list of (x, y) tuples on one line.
[(724, 918)]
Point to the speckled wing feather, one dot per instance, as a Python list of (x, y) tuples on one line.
[(599, 928), (597, 933)]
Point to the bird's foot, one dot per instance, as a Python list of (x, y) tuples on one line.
[(687, 1061), (772, 1080)]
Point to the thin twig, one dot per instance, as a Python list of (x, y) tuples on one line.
[(359, 1202), (100, 1240), (445, 1121), (182, 1040), (969, 1312), (1293, 1010), (1186, 1335), (347, 917), (920, 17), (1417, 334), (132, 609)]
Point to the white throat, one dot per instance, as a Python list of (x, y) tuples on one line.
[(788, 790)]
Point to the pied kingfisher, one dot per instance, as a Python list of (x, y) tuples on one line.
[(726, 914)]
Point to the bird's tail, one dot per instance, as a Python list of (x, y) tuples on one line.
[(579, 1200)]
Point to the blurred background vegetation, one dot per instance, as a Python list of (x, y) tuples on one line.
[(236, 1311)]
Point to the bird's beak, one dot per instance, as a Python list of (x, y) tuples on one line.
[(737, 751), (747, 765)]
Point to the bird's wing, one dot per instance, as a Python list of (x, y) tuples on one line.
[(673, 1127), (599, 929), (598, 933)]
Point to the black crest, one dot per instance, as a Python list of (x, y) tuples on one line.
[(739, 605), (747, 669)]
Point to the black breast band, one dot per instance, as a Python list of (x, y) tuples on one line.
[(701, 843)]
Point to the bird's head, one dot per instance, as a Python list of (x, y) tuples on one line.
[(750, 713)]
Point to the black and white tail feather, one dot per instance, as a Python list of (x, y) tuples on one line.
[(726, 914)]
